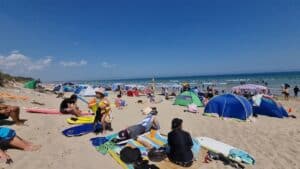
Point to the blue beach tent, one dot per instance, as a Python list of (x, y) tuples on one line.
[(268, 107), (229, 106)]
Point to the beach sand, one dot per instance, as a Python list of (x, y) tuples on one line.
[(275, 143)]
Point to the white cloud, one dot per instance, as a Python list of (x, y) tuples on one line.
[(73, 63), (17, 62), (107, 65)]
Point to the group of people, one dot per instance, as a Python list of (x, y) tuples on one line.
[(100, 106), (286, 92), (179, 141)]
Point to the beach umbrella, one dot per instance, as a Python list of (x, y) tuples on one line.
[(250, 87)]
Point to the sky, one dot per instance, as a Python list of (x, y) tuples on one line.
[(94, 40)]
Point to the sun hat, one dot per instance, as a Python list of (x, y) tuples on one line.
[(146, 110), (100, 90)]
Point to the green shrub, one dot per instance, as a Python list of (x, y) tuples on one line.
[(6, 77)]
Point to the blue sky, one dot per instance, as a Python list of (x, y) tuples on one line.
[(69, 40)]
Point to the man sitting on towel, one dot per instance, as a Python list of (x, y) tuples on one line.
[(180, 144)]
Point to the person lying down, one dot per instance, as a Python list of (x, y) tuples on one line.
[(148, 123)]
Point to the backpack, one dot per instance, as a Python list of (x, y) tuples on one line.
[(157, 155), (134, 156)]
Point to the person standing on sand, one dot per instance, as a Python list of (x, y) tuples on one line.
[(103, 112), (285, 91), (296, 90)]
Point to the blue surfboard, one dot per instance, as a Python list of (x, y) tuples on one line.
[(81, 130)]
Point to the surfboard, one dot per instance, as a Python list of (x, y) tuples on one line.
[(81, 120), (81, 130), (228, 151), (48, 111)]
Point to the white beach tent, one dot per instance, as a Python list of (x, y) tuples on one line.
[(87, 91)]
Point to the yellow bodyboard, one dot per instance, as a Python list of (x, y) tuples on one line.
[(81, 120)]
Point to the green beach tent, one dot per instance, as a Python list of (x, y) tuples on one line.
[(30, 84), (186, 98)]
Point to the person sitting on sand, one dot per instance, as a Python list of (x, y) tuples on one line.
[(103, 110), (8, 138), (180, 144), (148, 123), (68, 106), (119, 102), (7, 111)]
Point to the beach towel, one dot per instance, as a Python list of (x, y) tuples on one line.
[(136, 144), (157, 141), (192, 108), (104, 148), (161, 141)]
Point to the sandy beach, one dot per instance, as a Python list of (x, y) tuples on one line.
[(275, 143)]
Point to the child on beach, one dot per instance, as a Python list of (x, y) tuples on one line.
[(120, 103), (9, 138), (103, 110)]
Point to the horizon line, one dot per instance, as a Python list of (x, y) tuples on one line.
[(181, 76)]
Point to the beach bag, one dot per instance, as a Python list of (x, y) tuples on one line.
[(157, 155), (144, 164), (130, 155), (192, 108)]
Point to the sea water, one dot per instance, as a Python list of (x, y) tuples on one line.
[(273, 81)]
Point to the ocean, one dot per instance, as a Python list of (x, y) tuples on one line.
[(222, 82)]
